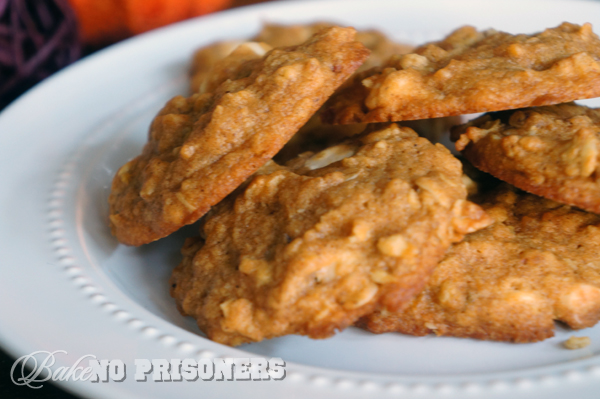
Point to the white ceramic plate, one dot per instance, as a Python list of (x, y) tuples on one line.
[(67, 285)]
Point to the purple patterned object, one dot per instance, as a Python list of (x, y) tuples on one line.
[(37, 38)]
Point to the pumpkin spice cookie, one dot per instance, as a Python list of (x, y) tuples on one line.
[(309, 248), (471, 71), (537, 263), (202, 147), (551, 151)]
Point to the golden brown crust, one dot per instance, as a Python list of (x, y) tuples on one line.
[(537, 263), (551, 151), (471, 71), (309, 248), (201, 148)]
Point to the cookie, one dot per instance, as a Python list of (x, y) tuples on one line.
[(316, 136), (276, 35), (552, 151), (536, 263), (309, 248), (218, 62), (471, 71), (202, 147), (381, 46)]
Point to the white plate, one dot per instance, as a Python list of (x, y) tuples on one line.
[(67, 285)]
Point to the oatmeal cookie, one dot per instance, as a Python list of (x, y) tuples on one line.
[(380, 45), (309, 248), (551, 151), (471, 71), (202, 147), (316, 136), (212, 66), (537, 263), (276, 35)]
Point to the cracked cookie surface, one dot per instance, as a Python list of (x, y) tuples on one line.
[(310, 247), (538, 262), (552, 151), (202, 147), (471, 71)]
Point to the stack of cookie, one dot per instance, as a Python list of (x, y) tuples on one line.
[(359, 221)]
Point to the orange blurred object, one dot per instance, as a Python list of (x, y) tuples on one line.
[(106, 21)]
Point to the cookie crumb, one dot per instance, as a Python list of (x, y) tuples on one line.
[(577, 342)]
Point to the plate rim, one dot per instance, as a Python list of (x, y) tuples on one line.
[(5, 342)]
